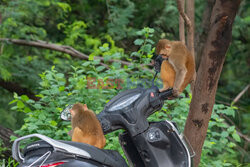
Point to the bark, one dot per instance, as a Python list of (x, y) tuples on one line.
[(14, 87), (201, 38), (5, 134), (182, 13), (217, 43), (181, 25), (60, 48), (190, 35)]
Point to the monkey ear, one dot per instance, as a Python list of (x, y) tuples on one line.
[(85, 107), (72, 112)]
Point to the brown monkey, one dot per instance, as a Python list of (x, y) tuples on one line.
[(179, 69), (85, 126)]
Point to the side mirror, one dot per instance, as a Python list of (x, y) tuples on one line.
[(65, 114)]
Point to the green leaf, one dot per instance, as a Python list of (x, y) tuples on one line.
[(60, 75), (146, 48), (138, 42), (224, 134), (85, 64), (151, 30), (100, 68), (61, 88), (15, 95), (42, 116), (236, 136), (150, 41), (91, 57), (20, 104), (231, 129), (95, 62), (53, 123), (13, 101), (24, 97), (231, 145), (27, 110), (135, 54)]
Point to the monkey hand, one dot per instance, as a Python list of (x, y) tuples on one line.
[(70, 132), (176, 93)]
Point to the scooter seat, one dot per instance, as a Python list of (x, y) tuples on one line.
[(105, 157)]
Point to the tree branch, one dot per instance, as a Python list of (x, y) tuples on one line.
[(14, 87), (189, 20), (190, 36), (240, 94), (60, 48), (184, 16), (181, 25)]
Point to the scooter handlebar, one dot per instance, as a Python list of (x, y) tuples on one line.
[(166, 94)]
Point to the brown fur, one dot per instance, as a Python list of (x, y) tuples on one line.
[(86, 127), (179, 70)]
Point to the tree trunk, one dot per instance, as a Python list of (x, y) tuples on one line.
[(190, 35), (201, 38), (181, 25), (5, 134), (217, 43)]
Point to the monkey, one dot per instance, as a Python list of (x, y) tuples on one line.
[(85, 126), (179, 68)]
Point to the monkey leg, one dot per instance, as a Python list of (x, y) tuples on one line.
[(101, 142), (165, 86), (79, 136), (189, 78), (179, 79)]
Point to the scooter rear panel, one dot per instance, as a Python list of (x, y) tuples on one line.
[(158, 146)]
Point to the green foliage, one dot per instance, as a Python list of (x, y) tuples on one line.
[(97, 28), (8, 163), (119, 14), (2, 148)]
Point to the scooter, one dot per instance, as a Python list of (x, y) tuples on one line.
[(145, 144)]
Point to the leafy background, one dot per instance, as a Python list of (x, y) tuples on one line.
[(112, 29)]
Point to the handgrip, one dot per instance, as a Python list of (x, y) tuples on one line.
[(106, 125), (166, 94)]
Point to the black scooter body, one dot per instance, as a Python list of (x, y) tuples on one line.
[(159, 146), (156, 144)]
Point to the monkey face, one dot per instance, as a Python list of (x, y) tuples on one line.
[(165, 52)]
